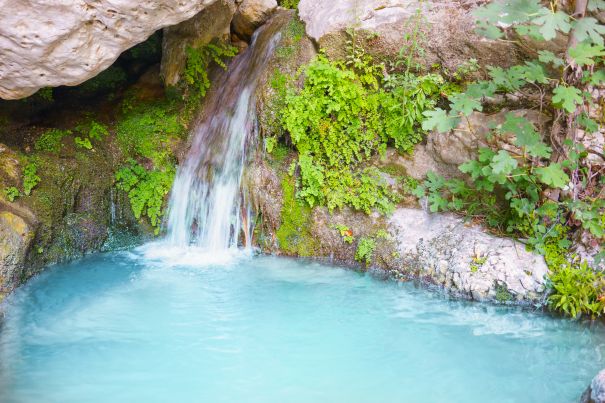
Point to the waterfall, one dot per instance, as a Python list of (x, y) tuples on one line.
[(206, 200)]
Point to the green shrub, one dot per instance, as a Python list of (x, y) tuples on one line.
[(50, 140), (340, 119)]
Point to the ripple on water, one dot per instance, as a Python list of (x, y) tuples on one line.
[(162, 324)]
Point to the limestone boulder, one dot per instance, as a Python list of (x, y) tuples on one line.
[(595, 393), (16, 236), (445, 30), (250, 15), (466, 259), (48, 43)]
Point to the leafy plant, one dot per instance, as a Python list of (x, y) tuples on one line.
[(292, 4), (577, 290), (293, 235), (50, 140), (200, 59), (11, 193), (83, 143), (146, 190), (30, 178), (345, 233), (365, 250), (340, 119)]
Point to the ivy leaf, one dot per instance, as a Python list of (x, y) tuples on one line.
[(522, 128), (539, 150), (439, 120), (551, 22), (472, 167), (503, 163), (481, 89), (464, 103), (534, 73), (553, 175), (584, 52), (567, 98), (596, 5), (588, 124), (490, 31), (546, 56), (588, 28), (510, 80), (596, 78)]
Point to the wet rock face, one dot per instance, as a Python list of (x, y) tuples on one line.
[(447, 28), (213, 22), (48, 43), (250, 15), (16, 236)]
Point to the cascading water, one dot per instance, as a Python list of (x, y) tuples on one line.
[(205, 202)]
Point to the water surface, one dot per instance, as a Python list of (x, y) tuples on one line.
[(143, 327)]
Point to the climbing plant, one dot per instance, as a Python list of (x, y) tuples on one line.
[(534, 182)]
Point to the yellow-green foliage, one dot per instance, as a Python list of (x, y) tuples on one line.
[(341, 118), (148, 130), (576, 289), (30, 177), (146, 133), (365, 250), (200, 59), (146, 190), (293, 4), (293, 235), (50, 140)]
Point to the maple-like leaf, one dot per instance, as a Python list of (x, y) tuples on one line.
[(550, 23), (553, 175), (567, 97)]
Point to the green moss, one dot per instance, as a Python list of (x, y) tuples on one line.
[(293, 235), (292, 35), (51, 140), (293, 4), (394, 170), (147, 131)]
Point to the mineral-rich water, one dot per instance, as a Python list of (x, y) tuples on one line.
[(124, 327), (205, 204)]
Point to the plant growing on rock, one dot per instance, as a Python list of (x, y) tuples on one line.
[(50, 140), (30, 177), (11, 193), (341, 118), (534, 182), (146, 190), (199, 61), (365, 250)]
